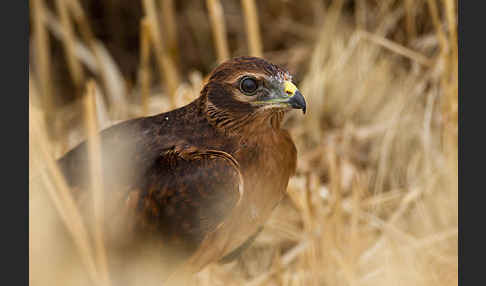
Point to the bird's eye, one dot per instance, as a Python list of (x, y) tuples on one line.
[(248, 85)]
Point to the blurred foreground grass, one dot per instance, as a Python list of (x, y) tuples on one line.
[(374, 201)]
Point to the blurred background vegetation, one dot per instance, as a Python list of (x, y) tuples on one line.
[(374, 200)]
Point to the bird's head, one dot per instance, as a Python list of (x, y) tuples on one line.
[(250, 86)]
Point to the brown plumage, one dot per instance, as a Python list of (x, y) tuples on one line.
[(202, 178)]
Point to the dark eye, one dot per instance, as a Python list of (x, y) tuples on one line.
[(248, 85)]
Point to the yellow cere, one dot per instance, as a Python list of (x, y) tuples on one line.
[(290, 88)]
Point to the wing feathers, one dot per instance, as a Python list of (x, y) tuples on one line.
[(188, 193)]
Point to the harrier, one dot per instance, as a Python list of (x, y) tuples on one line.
[(201, 179)]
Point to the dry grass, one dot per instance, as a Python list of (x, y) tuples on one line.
[(374, 200), (218, 27)]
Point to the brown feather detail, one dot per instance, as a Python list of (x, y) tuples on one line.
[(183, 204), (234, 163)]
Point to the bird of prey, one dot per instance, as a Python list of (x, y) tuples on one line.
[(201, 179)]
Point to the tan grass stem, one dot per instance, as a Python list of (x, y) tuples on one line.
[(335, 188), (434, 13), (360, 14), (106, 67), (397, 48), (60, 195), (75, 68), (218, 28), (451, 106), (288, 258), (252, 28), (167, 68), (145, 64), (357, 191), (410, 25), (42, 56), (169, 24), (94, 154)]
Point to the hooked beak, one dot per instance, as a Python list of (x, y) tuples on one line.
[(286, 95), (297, 101), (294, 98)]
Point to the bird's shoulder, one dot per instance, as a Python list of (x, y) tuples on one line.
[(137, 143)]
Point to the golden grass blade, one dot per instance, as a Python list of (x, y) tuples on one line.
[(102, 115), (335, 188), (333, 16), (252, 28), (42, 56), (451, 79), (170, 29), (357, 190), (75, 69), (436, 238), (34, 99), (81, 50), (80, 18), (409, 198), (384, 8), (360, 14), (144, 64), (94, 56), (112, 80), (60, 195), (451, 13), (344, 266), (166, 66), (106, 67), (218, 27), (397, 48), (288, 258), (452, 24), (410, 24), (434, 13), (94, 153)]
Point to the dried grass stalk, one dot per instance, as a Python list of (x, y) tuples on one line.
[(60, 195), (166, 66), (94, 153), (434, 13), (42, 56), (106, 67), (354, 241), (252, 28), (144, 64), (452, 76), (410, 25), (170, 29), (397, 48), (75, 68), (360, 14), (218, 27), (449, 78)]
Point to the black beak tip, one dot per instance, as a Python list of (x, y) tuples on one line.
[(298, 101)]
